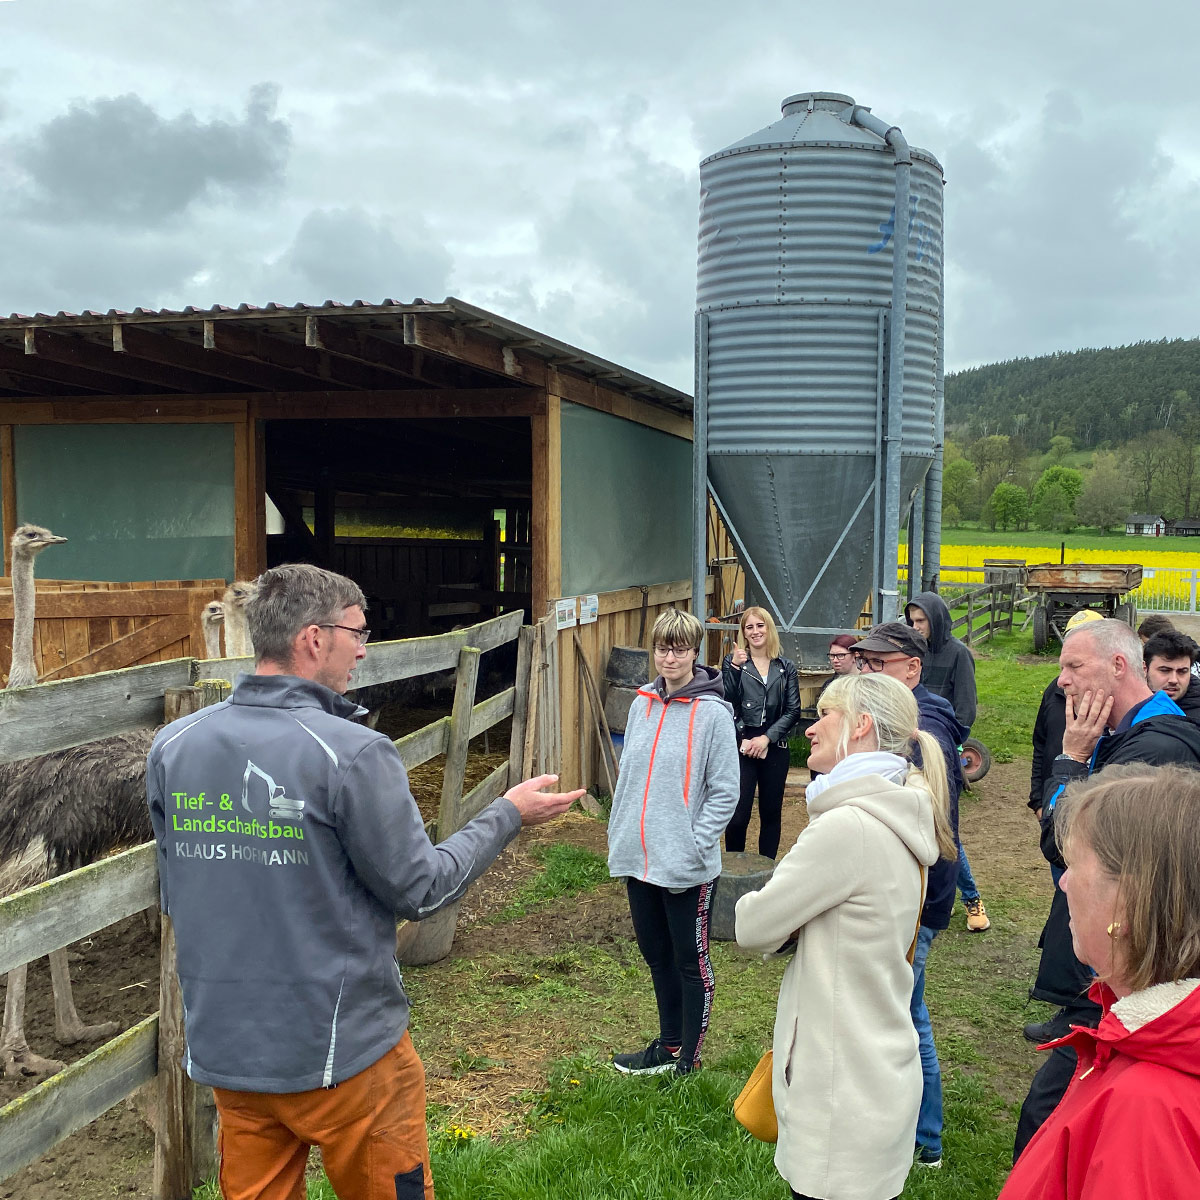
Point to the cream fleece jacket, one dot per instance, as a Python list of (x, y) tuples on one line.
[(847, 1075)]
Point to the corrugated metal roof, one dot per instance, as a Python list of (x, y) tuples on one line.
[(186, 325)]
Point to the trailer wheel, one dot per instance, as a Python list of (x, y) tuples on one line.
[(976, 759), (1041, 629), (1128, 613)]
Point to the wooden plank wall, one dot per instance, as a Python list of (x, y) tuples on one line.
[(404, 575), (82, 627), (620, 623)]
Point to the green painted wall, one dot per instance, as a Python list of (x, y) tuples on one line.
[(626, 503), (134, 501)]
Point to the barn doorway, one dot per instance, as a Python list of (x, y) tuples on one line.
[(430, 517)]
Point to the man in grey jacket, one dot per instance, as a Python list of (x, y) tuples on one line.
[(288, 844)]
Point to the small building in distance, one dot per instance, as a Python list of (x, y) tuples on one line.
[(1145, 524), (1184, 527)]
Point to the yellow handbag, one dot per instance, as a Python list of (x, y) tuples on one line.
[(755, 1107)]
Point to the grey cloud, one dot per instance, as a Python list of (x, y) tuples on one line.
[(118, 161), (1053, 241), (348, 254)]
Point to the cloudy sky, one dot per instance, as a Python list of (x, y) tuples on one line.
[(539, 157)]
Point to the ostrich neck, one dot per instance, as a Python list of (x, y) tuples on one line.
[(237, 633), (212, 641), (23, 670)]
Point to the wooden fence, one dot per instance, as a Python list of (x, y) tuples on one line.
[(81, 628), (45, 717), (993, 604)]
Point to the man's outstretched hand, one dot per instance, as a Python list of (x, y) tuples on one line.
[(536, 806)]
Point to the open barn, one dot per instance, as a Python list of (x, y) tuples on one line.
[(456, 464)]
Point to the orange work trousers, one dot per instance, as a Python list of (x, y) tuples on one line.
[(370, 1129)]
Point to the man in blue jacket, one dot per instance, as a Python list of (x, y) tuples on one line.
[(898, 650), (288, 844), (1111, 717)]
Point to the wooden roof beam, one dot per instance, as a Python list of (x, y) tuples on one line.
[(361, 346), (244, 341), (17, 384), (78, 352), (62, 374), (478, 349), (138, 342)]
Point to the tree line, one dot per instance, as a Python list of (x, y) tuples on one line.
[(1081, 438)]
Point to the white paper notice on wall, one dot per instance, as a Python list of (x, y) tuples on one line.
[(564, 613), (1147, 573), (589, 609)]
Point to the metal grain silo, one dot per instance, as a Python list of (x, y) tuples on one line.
[(802, 264)]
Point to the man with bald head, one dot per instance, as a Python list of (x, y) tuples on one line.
[(1112, 717)]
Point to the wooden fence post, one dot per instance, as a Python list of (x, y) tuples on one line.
[(185, 1142), (992, 612), (521, 704), (970, 615), (457, 743)]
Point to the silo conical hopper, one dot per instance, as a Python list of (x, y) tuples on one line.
[(798, 357)]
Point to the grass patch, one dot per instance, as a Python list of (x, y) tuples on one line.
[(566, 871), (1009, 694), (1035, 539)]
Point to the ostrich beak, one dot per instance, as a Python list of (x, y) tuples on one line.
[(54, 540)]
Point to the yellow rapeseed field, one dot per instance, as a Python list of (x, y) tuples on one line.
[(1170, 589)]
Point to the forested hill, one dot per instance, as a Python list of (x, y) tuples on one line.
[(1094, 396)]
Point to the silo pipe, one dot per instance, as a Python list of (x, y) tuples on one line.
[(931, 562), (700, 478), (887, 601)]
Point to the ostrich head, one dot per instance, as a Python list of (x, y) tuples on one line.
[(30, 540), (239, 593), (213, 613)]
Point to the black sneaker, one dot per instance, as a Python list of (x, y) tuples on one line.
[(655, 1059), (928, 1158), (685, 1068), (1059, 1025)]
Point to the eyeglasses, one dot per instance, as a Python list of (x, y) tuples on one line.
[(838, 657), (362, 634), (672, 651), (875, 665)]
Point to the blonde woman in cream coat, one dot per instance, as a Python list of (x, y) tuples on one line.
[(847, 1074)]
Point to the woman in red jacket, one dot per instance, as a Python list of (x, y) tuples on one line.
[(1129, 1124)]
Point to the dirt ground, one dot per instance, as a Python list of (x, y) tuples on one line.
[(115, 976)]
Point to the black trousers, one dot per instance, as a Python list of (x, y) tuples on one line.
[(768, 775), (1050, 1083), (672, 934)]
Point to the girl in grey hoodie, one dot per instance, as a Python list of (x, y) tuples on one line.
[(677, 789)]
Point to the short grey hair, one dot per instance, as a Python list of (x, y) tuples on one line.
[(290, 598), (1111, 637)]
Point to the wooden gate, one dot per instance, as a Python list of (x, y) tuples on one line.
[(81, 628)]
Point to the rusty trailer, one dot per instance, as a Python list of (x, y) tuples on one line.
[(1063, 589)]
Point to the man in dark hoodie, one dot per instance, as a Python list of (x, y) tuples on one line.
[(949, 671), (1111, 717), (898, 650)]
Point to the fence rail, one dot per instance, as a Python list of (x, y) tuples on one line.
[(1167, 590), (994, 604), (63, 910)]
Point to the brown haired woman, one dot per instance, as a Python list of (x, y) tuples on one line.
[(762, 687), (1129, 1124)]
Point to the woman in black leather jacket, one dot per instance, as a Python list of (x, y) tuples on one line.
[(762, 687)]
